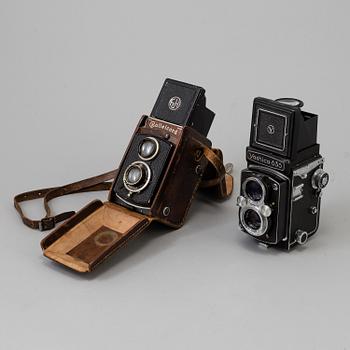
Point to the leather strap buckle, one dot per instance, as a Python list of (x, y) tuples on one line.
[(96, 183), (46, 224)]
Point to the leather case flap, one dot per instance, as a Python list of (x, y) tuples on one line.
[(93, 234)]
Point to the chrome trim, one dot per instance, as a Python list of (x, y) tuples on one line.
[(155, 153), (297, 192), (265, 210), (304, 170), (291, 101), (316, 177), (296, 173), (148, 172), (242, 201), (131, 204), (252, 178), (264, 221), (282, 176), (301, 237)]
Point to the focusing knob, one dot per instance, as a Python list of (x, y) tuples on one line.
[(265, 210), (241, 201), (137, 176), (149, 148), (319, 179)]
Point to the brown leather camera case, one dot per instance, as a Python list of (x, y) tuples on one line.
[(99, 229)]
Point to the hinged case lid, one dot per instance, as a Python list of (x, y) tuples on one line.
[(93, 234)]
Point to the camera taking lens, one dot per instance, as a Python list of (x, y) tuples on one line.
[(252, 219), (134, 175), (137, 176)]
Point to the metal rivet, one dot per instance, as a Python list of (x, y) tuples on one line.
[(198, 170), (198, 154), (166, 211), (313, 210), (275, 187)]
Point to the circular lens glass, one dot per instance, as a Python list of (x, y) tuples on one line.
[(254, 190), (149, 148), (252, 219), (137, 176), (134, 175)]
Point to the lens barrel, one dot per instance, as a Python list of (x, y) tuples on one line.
[(137, 176), (254, 190), (149, 148), (252, 219)]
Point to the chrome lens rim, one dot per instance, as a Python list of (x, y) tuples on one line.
[(127, 173), (264, 221), (261, 184), (156, 151), (141, 165)]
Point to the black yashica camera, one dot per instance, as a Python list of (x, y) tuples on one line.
[(281, 188)]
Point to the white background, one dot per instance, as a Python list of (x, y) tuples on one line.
[(75, 76)]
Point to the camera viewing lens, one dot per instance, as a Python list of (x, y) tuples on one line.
[(149, 148), (252, 219), (254, 190)]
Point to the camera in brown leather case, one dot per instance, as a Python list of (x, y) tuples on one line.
[(168, 159)]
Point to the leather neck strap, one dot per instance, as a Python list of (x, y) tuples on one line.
[(103, 183), (96, 183)]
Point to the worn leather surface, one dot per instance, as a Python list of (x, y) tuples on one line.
[(94, 233), (211, 179), (86, 238), (95, 183), (216, 181)]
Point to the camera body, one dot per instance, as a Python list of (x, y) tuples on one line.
[(281, 188), (164, 162), (168, 158)]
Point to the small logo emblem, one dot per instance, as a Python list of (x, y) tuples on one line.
[(174, 103), (270, 129)]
